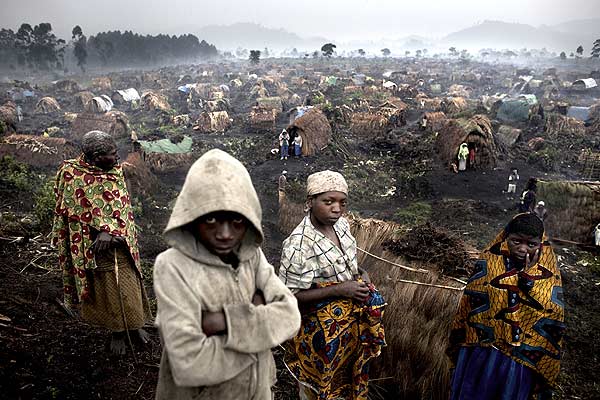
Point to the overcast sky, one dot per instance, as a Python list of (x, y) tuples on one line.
[(334, 19)]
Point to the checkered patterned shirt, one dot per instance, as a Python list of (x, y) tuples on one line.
[(309, 257)]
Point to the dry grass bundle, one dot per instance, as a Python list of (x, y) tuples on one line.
[(102, 84), (476, 131), (165, 162), (454, 105), (573, 208), (369, 125), (270, 103), (217, 121), (417, 319), (290, 214), (560, 125), (67, 86), (435, 121), (38, 151), (114, 122), (155, 101), (80, 99), (46, 105), (314, 129), (140, 179), (261, 119)]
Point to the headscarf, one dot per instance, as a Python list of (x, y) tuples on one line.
[(326, 181)]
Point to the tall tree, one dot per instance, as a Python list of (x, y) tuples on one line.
[(40, 48), (563, 55), (254, 56), (579, 51), (386, 52), (327, 49), (80, 47), (596, 49), (361, 52)]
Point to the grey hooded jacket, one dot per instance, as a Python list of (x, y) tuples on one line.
[(189, 279)]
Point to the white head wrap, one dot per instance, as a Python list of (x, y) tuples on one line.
[(326, 181)]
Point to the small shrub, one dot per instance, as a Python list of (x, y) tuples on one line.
[(44, 202), (15, 173), (416, 213)]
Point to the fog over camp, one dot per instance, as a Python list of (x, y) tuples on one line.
[(360, 199)]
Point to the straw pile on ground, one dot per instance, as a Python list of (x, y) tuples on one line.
[(476, 131), (38, 151), (114, 122), (560, 125), (417, 319), (46, 105), (314, 129), (573, 209), (369, 125)]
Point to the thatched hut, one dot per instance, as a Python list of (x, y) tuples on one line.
[(395, 110), (38, 151), (80, 99), (458, 91), (8, 116), (433, 121), (155, 101), (508, 136), (67, 86), (114, 122), (165, 162), (369, 124), (138, 176), (454, 105), (126, 96), (46, 105), (102, 84), (261, 119), (560, 125), (314, 129), (270, 103), (98, 105), (573, 209), (217, 121), (476, 132)]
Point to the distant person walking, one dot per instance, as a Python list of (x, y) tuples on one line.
[(284, 144), (512, 182), (528, 196), (540, 210), (282, 182)]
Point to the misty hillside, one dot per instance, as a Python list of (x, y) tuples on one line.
[(254, 36), (564, 37)]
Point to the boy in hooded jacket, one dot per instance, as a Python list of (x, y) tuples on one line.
[(220, 305)]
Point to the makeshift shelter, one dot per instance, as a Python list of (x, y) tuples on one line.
[(458, 91), (8, 116), (139, 178), (369, 125), (574, 209), (508, 136), (167, 146), (560, 125), (517, 110), (476, 132), (579, 113), (155, 101), (217, 105), (125, 96), (165, 162), (590, 165), (38, 151), (80, 99), (433, 121), (67, 86), (270, 103), (395, 110), (46, 105), (217, 121), (584, 84), (314, 129), (454, 105), (261, 119), (102, 84), (99, 105), (113, 122)]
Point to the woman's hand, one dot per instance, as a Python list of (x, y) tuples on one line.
[(213, 323), (353, 290), (258, 299)]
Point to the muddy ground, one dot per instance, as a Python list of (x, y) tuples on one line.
[(46, 354)]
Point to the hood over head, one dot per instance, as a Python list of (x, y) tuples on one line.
[(215, 182)]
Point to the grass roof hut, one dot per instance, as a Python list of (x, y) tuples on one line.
[(476, 132), (38, 151), (155, 101), (80, 99), (8, 117), (573, 209), (261, 119), (113, 122), (46, 105), (67, 86), (314, 129), (216, 121), (369, 124)]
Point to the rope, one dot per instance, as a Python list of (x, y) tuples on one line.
[(420, 270), (430, 284)]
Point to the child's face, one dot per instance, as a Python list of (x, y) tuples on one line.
[(221, 232), (521, 245), (328, 207)]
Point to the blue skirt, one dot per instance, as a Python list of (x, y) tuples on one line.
[(297, 150), (484, 373)]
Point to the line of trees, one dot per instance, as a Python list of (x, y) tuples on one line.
[(38, 48)]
